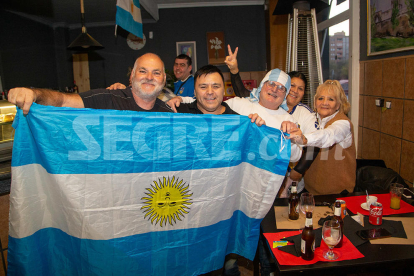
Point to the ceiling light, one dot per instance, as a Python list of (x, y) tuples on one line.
[(84, 41)]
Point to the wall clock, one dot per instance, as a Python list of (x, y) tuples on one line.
[(136, 43)]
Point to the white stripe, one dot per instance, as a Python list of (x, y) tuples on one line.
[(283, 78), (126, 5), (109, 206)]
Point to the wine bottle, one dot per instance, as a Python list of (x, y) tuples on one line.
[(307, 245), (293, 203), (337, 217)]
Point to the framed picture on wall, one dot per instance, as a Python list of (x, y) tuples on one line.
[(216, 48), (188, 48), (390, 26)]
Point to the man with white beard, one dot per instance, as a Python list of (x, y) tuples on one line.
[(148, 79)]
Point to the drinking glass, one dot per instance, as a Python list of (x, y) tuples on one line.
[(306, 203), (396, 190), (331, 235)]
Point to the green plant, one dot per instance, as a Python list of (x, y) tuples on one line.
[(395, 11), (410, 10)]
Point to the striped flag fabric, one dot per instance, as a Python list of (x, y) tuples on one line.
[(106, 192), (128, 16)]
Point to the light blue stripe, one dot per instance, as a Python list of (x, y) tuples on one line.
[(126, 21), (51, 251), (136, 3), (87, 141)]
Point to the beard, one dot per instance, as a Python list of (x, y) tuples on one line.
[(146, 95)]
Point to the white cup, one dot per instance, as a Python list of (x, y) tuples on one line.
[(370, 200)]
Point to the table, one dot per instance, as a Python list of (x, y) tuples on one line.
[(386, 257)]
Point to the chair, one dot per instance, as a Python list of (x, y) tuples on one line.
[(370, 162), (373, 178)]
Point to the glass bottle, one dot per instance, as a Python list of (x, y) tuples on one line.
[(307, 244), (337, 217), (75, 87), (293, 203)]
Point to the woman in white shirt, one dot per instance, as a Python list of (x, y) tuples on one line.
[(333, 170)]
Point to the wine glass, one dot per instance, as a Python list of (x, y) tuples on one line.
[(331, 235), (306, 203)]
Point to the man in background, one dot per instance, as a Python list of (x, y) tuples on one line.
[(184, 86)]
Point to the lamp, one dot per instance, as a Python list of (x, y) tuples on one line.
[(84, 41)]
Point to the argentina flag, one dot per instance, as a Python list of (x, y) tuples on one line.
[(105, 192), (128, 16)]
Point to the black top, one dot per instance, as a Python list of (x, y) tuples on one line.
[(193, 109), (238, 86), (120, 99)]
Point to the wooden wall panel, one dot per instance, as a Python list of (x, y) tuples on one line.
[(278, 29), (409, 79), (390, 151), (393, 78), (387, 133), (370, 144), (407, 161), (373, 78), (408, 121), (258, 76), (392, 119), (81, 72)]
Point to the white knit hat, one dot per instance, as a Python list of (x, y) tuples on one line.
[(276, 75)]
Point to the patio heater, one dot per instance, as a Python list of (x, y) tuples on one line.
[(303, 52)]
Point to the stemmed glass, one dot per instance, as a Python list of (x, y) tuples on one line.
[(331, 235), (306, 203)]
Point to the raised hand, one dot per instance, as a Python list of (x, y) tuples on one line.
[(231, 60)]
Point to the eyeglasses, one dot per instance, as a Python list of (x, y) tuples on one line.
[(279, 88)]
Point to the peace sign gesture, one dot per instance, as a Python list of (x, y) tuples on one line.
[(231, 60)]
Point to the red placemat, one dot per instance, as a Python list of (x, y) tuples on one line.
[(353, 203), (347, 252)]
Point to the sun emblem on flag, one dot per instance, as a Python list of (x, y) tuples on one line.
[(167, 200)]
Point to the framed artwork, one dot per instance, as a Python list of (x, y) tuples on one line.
[(390, 26), (188, 48), (216, 48)]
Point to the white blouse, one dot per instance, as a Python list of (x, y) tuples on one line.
[(339, 132)]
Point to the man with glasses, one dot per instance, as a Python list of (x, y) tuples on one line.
[(184, 86), (268, 101)]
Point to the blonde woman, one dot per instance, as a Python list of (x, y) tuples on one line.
[(333, 170)]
